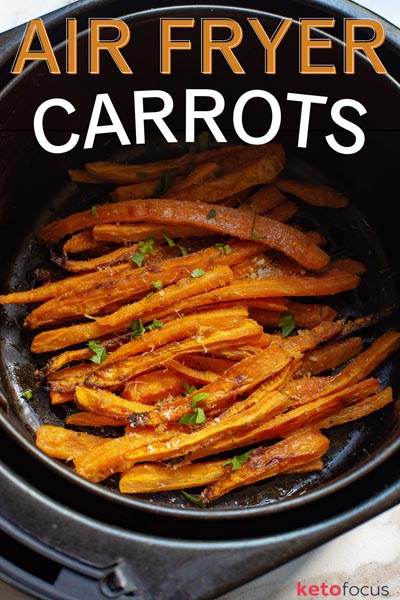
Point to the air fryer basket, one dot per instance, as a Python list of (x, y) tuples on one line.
[(289, 514)]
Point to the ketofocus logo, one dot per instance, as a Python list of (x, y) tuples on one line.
[(341, 590)]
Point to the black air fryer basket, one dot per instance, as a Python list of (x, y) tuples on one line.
[(65, 538)]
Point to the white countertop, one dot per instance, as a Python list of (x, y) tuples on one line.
[(369, 555)]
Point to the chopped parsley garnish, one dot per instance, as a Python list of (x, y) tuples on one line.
[(157, 284), (183, 250), (193, 499), (202, 142), (189, 389), (141, 174), (223, 248), (137, 329), (200, 397), (197, 416), (146, 247), (287, 324), (27, 394), (164, 185), (138, 258), (99, 352), (237, 461), (211, 214), (254, 236), (169, 240), (156, 324), (93, 210), (197, 273)]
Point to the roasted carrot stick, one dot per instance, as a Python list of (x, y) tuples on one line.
[(267, 462), (118, 372), (330, 356), (115, 257), (103, 402), (124, 174), (65, 444), (226, 220), (241, 377), (87, 419), (150, 477), (48, 341), (316, 194), (262, 170)]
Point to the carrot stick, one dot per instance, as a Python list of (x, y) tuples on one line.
[(316, 194), (86, 419), (64, 443), (103, 402), (48, 341), (199, 174), (359, 368), (51, 290), (263, 170), (330, 356), (263, 200), (283, 212), (99, 463), (110, 172), (267, 462), (226, 220), (83, 242), (175, 330), (284, 424), (121, 255), (149, 477), (121, 371), (144, 189), (354, 411), (241, 377), (156, 385), (116, 233)]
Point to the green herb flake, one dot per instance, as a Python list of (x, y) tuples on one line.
[(223, 248), (183, 250), (141, 174), (200, 416), (254, 236), (286, 324), (93, 210), (197, 417), (188, 419), (138, 258), (149, 295), (189, 389), (156, 324), (164, 185), (169, 240), (137, 329), (157, 284), (211, 214), (99, 352), (202, 143), (27, 394), (147, 247), (193, 499), (237, 461), (197, 273), (200, 397)]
